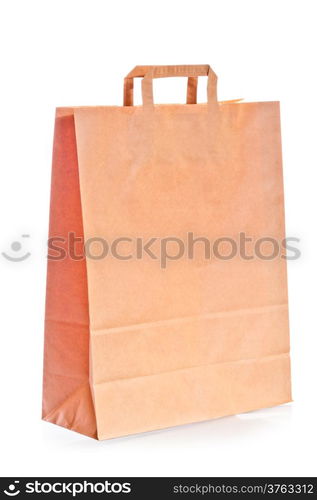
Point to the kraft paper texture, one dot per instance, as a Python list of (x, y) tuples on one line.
[(130, 346)]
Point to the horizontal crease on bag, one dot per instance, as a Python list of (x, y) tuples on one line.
[(82, 379), (269, 358), (61, 321), (185, 319)]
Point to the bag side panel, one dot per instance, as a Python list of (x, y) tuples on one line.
[(67, 397)]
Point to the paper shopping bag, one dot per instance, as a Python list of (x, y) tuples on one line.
[(166, 284)]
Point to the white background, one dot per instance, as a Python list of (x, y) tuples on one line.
[(73, 52)]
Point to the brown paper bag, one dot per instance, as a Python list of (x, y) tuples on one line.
[(144, 328)]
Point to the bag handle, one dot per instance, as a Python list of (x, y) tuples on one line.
[(150, 72)]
